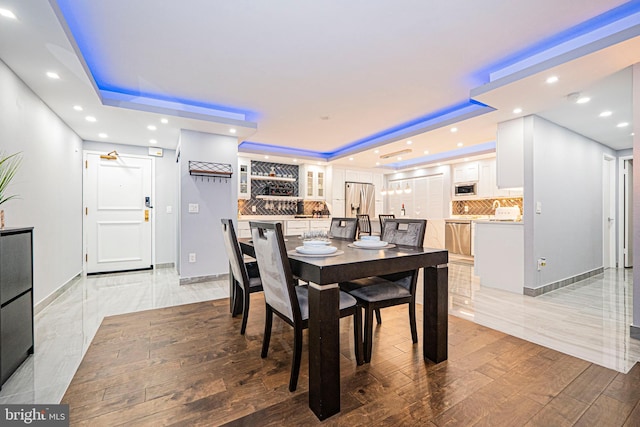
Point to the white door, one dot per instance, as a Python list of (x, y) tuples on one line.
[(608, 213), (117, 218), (628, 213)]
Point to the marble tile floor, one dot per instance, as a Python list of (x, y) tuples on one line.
[(589, 319)]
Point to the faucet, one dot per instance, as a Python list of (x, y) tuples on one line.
[(496, 204)]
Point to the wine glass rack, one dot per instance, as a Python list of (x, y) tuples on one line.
[(210, 170)]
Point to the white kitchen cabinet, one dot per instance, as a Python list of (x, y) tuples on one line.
[(351, 176), (243, 229), (244, 178), (337, 184), (319, 224), (337, 207), (296, 227), (359, 176), (313, 182), (465, 172)]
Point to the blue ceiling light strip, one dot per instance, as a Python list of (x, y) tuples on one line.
[(259, 148), (472, 150), (96, 69)]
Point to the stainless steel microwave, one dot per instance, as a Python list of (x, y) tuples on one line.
[(467, 189)]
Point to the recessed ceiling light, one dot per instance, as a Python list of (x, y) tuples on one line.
[(376, 151), (7, 14), (90, 119), (409, 142), (153, 141), (164, 121), (426, 151), (454, 130), (438, 164), (606, 114), (632, 133), (583, 100), (266, 157), (552, 79), (399, 157), (377, 163), (53, 75), (466, 159), (318, 163), (232, 130), (295, 160), (517, 110), (151, 127), (78, 107), (622, 125), (103, 135), (350, 158), (460, 144)]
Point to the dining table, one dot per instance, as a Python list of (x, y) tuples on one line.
[(324, 273)]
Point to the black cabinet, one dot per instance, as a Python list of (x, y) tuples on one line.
[(16, 299)]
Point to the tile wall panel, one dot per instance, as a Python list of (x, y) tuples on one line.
[(483, 206)]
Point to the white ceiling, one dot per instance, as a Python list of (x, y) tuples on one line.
[(316, 76)]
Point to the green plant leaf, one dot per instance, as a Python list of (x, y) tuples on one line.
[(9, 166)]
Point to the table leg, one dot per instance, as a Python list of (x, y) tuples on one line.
[(324, 350), (435, 313)]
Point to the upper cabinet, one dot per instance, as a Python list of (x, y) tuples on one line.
[(465, 172), (510, 154), (313, 182), (244, 178)]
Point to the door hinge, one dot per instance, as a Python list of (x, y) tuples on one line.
[(86, 258), (86, 164), (86, 211)]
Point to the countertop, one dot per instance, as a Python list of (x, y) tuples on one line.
[(276, 218)]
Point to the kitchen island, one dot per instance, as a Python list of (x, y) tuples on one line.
[(499, 254)]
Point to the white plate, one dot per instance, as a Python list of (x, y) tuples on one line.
[(316, 242), (370, 243), (316, 250)]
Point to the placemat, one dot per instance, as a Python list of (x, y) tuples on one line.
[(296, 253)]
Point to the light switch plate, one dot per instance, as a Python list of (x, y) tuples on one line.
[(169, 209), (194, 208), (538, 207)]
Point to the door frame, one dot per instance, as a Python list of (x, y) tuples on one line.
[(85, 247), (621, 211)]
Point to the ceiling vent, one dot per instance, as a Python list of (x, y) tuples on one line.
[(396, 153)]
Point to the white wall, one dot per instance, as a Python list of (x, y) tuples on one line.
[(166, 187), (200, 233), (49, 183), (635, 330), (562, 172)]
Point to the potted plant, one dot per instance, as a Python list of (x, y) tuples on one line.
[(9, 165)]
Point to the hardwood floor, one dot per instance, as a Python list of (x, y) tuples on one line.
[(189, 365)]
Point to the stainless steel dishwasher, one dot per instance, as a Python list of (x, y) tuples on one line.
[(457, 236)]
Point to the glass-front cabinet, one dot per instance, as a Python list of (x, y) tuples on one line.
[(244, 178), (314, 182)]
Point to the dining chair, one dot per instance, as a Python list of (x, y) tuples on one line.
[(288, 301), (245, 274), (343, 228), (364, 225), (374, 293), (383, 218)]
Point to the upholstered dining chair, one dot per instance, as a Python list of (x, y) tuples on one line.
[(246, 276), (344, 228), (364, 225), (288, 301), (374, 293), (383, 218)]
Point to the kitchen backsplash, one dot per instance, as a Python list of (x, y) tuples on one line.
[(483, 206)]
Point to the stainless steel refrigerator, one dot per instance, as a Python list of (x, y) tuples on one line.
[(359, 199)]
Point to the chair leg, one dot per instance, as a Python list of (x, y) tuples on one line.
[(297, 356), (378, 317), (368, 333), (267, 331), (412, 321), (245, 310), (357, 335)]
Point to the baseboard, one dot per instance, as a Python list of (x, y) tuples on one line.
[(534, 292), (634, 332), (37, 308), (201, 279)]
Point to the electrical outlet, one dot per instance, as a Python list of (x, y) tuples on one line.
[(192, 257), (194, 208), (542, 262), (253, 209)]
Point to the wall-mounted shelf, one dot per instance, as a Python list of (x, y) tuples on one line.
[(278, 198), (272, 178), (210, 169)]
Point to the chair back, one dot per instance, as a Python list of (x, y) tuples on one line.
[(344, 228), (364, 223), (383, 218), (407, 232), (236, 260), (275, 271)]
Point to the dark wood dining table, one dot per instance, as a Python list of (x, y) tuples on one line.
[(324, 274)]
